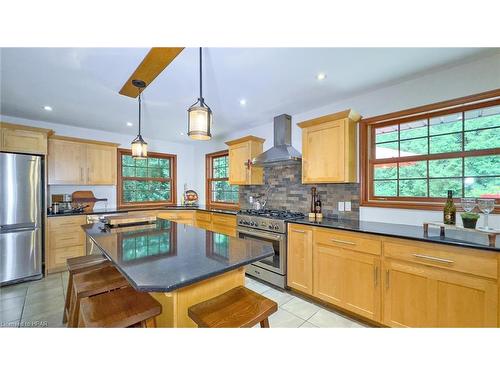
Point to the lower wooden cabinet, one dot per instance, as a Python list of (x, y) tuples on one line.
[(299, 263), (64, 239), (348, 279), (179, 216), (407, 284), (421, 296)]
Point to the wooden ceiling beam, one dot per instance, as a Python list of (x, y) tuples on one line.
[(157, 59)]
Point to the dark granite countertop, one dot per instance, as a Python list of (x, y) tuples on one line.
[(413, 232), (115, 210), (166, 256)]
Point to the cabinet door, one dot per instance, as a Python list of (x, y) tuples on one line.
[(328, 273), (323, 152), (465, 301), (408, 295), (238, 171), (18, 140), (361, 282), (66, 163), (100, 165), (299, 261)]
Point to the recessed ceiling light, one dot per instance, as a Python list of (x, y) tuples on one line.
[(181, 133), (243, 102), (47, 108), (321, 76), (129, 123)]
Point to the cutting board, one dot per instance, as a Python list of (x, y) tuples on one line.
[(128, 219), (86, 197)]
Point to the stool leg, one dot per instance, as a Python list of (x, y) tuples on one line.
[(148, 323), (68, 298), (264, 323)]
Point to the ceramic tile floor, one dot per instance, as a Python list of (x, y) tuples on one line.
[(40, 304)]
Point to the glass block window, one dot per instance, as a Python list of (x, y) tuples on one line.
[(219, 191), (146, 181)]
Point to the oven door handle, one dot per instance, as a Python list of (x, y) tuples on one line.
[(262, 234)]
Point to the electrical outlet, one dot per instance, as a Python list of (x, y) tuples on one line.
[(347, 205), (341, 206)]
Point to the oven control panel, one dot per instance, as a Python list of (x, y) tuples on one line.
[(263, 223)]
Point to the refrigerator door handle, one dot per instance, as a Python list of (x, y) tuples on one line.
[(11, 228)]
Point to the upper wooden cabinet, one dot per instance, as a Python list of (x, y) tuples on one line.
[(26, 139), (74, 161), (241, 152), (329, 148)]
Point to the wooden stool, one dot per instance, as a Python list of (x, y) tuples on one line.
[(91, 283), (237, 308), (119, 309), (77, 265)]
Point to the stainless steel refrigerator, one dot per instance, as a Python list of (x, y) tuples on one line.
[(21, 206)]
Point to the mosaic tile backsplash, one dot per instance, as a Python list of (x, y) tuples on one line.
[(288, 193)]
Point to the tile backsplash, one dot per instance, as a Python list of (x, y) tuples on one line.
[(287, 192)]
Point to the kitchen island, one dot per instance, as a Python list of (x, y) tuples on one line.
[(179, 265)]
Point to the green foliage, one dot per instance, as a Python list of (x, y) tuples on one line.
[(470, 176)]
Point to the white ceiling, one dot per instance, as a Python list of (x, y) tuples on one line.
[(82, 84)]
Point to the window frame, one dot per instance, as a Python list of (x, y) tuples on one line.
[(172, 180), (367, 150), (208, 181)]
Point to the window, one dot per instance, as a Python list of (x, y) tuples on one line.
[(146, 182), (412, 161), (219, 192)]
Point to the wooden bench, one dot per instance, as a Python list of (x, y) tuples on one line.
[(120, 308), (237, 308)]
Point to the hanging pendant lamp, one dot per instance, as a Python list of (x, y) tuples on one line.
[(200, 115), (139, 146)]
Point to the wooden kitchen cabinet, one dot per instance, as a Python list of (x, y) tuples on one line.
[(74, 161), (329, 148), (300, 258), (422, 296), (346, 271), (24, 139), (241, 153), (179, 216), (64, 239)]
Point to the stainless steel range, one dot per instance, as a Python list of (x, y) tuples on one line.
[(270, 226)]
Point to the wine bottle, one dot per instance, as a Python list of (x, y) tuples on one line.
[(449, 211), (317, 205)]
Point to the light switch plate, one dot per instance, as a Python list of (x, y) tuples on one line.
[(341, 206), (347, 205)]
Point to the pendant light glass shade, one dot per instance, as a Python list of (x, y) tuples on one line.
[(200, 115), (200, 121), (139, 146)]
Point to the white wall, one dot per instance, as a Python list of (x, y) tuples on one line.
[(452, 82), (185, 161)]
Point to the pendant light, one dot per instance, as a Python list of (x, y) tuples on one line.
[(200, 115), (139, 146)]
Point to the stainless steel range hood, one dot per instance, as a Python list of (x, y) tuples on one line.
[(282, 151)]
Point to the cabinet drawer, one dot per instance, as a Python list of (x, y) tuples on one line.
[(475, 262), (221, 219), (203, 216), (348, 240), (224, 229), (204, 225), (176, 215), (60, 239), (67, 222), (61, 255)]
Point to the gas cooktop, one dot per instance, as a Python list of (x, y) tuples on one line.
[(273, 214)]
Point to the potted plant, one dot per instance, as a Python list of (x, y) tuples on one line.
[(469, 219)]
